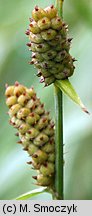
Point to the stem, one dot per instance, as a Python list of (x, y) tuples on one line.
[(58, 143), (58, 132), (59, 6)]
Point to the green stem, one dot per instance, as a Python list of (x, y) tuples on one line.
[(58, 132), (59, 6), (58, 143)]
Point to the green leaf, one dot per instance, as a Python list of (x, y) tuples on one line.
[(66, 87), (32, 193)]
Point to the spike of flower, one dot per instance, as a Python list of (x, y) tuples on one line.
[(35, 130), (36, 38), (29, 162), (38, 13), (11, 101), (9, 91), (47, 169), (44, 180), (40, 157), (50, 45), (44, 23), (33, 27), (51, 11)]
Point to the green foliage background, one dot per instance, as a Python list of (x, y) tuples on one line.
[(15, 174)]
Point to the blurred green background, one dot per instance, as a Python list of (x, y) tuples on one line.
[(15, 174)]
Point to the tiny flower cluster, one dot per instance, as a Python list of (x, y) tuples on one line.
[(49, 45), (35, 130)]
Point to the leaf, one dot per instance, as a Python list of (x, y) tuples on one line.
[(32, 193), (66, 87)]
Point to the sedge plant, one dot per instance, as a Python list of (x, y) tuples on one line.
[(39, 135)]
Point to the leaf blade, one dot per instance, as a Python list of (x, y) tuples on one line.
[(32, 193), (66, 87)]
